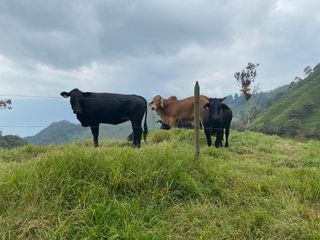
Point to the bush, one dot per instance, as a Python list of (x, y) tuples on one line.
[(313, 133), (308, 108), (292, 114), (291, 128), (11, 141)]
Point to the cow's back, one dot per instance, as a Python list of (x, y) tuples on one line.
[(111, 108), (185, 107), (183, 110)]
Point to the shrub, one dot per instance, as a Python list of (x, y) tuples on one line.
[(11, 141), (291, 128)]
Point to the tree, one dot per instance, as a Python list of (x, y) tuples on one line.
[(11, 141), (290, 128), (308, 108), (307, 71), (5, 103), (316, 67), (245, 80)]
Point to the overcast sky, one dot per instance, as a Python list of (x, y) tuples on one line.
[(151, 47)]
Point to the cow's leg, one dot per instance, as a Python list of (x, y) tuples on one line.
[(219, 135), (173, 123), (221, 138), (137, 132), (227, 137), (221, 142), (207, 132), (95, 133)]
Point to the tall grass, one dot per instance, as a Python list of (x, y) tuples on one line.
[(262, 187)]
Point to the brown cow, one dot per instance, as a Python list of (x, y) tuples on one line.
[(173, 111)]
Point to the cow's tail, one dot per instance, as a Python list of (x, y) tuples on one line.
[(145, 127)]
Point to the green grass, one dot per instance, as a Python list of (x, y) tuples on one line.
[(262, 187), (304, 93)]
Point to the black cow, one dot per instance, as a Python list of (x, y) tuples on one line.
[(163, 126), (111, 108), (186, 125), (217, 117)]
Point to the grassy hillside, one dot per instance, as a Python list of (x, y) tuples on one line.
[(262, 187), (297, 112), (240, 106)]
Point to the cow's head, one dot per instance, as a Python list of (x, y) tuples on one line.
[(76, 97), (214, 106), (157, 103)]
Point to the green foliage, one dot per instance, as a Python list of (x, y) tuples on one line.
[(261, 187), (11, 141), (290, 128), (314, 132), (298, 109)]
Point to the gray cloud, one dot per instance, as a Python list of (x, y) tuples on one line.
[(146, 47), (151, 47)]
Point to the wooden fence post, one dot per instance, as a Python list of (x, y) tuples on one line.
[(197, 120)]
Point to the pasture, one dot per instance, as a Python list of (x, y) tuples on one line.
[(261, 187)]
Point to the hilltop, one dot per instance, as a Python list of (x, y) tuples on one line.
[(296, 113), (261, 187)]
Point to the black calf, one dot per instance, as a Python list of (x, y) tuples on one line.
[(217, 117)]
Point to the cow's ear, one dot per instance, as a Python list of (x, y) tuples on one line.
[(206, 106), (65, 94), (222, 99), (161, 102), (86, 94)]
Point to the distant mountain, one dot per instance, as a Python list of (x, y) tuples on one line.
[(57, 133), (296, 113), (64, 131)]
